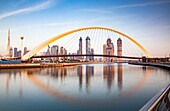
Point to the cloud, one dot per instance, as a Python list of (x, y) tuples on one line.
[(61, 23), (40, 6), (77, 22), (142, 4), (95, 10)]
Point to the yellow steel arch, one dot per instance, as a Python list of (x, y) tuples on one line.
[(49, 41)]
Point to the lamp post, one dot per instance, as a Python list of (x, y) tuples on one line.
[(21, 46)]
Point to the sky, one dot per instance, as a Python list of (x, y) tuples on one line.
[(146, 21)]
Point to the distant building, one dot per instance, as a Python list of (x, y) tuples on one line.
[(54, 49), (10, 52), (61, 51), (42, 53), (65, 52), (119, 48), (25, 50), (92, 52), (48, 52), (8, 45), (87, 47), (15, 52), (80, 51), (19, 53), (108, 49)]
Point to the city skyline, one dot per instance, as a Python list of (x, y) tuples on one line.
[(151, 21)]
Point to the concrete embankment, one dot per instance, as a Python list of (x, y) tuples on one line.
[(37, 65), (161, 65)]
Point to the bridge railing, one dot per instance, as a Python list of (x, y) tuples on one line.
[(160, 102)]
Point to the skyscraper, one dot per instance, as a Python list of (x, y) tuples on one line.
[(87, 47), (15, 52), (80, 47), (25, 50), (10, 52), (61, 51), (21, 46), (65, 52), (104, 51), (54, 49), (19, 53), (48, 52), (108, 49), (92, 52), (8, 45), (119, 48), (57, 51)]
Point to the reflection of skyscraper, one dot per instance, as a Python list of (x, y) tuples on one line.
[(8, 45), (65, 72), (80, 47), (108, 75), (120, 76), (80, 75), (108, 49), (87, 47), (119, 48), (89, 73)]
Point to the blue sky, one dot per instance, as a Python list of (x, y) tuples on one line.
[(147, 21)]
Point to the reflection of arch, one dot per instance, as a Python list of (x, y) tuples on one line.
[(67, 96), (49, 89), (137, 86), (51, 40)]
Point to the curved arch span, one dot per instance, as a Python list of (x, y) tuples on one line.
[(51, 40)]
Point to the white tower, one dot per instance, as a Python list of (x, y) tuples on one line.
[(8, 45), (22, 46)]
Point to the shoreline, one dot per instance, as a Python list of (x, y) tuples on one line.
[(43, 65), (159, 65)]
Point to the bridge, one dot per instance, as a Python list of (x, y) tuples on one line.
[(78, 55), (97, 55), (35, 50)]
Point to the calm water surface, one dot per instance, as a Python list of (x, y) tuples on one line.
[(80, 88)]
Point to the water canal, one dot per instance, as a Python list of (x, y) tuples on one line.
[(80, 88)]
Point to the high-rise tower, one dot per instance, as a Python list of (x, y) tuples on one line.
[(10, 52), (80, 47), (15, 52), (8, 45), (108, 49), (119, 48), (21, 46), (25, 50), (87, 47)]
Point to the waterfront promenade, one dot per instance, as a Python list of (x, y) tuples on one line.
[(37, 65), (161, 65)]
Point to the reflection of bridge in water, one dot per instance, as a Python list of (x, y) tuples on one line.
[(62, 73)]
